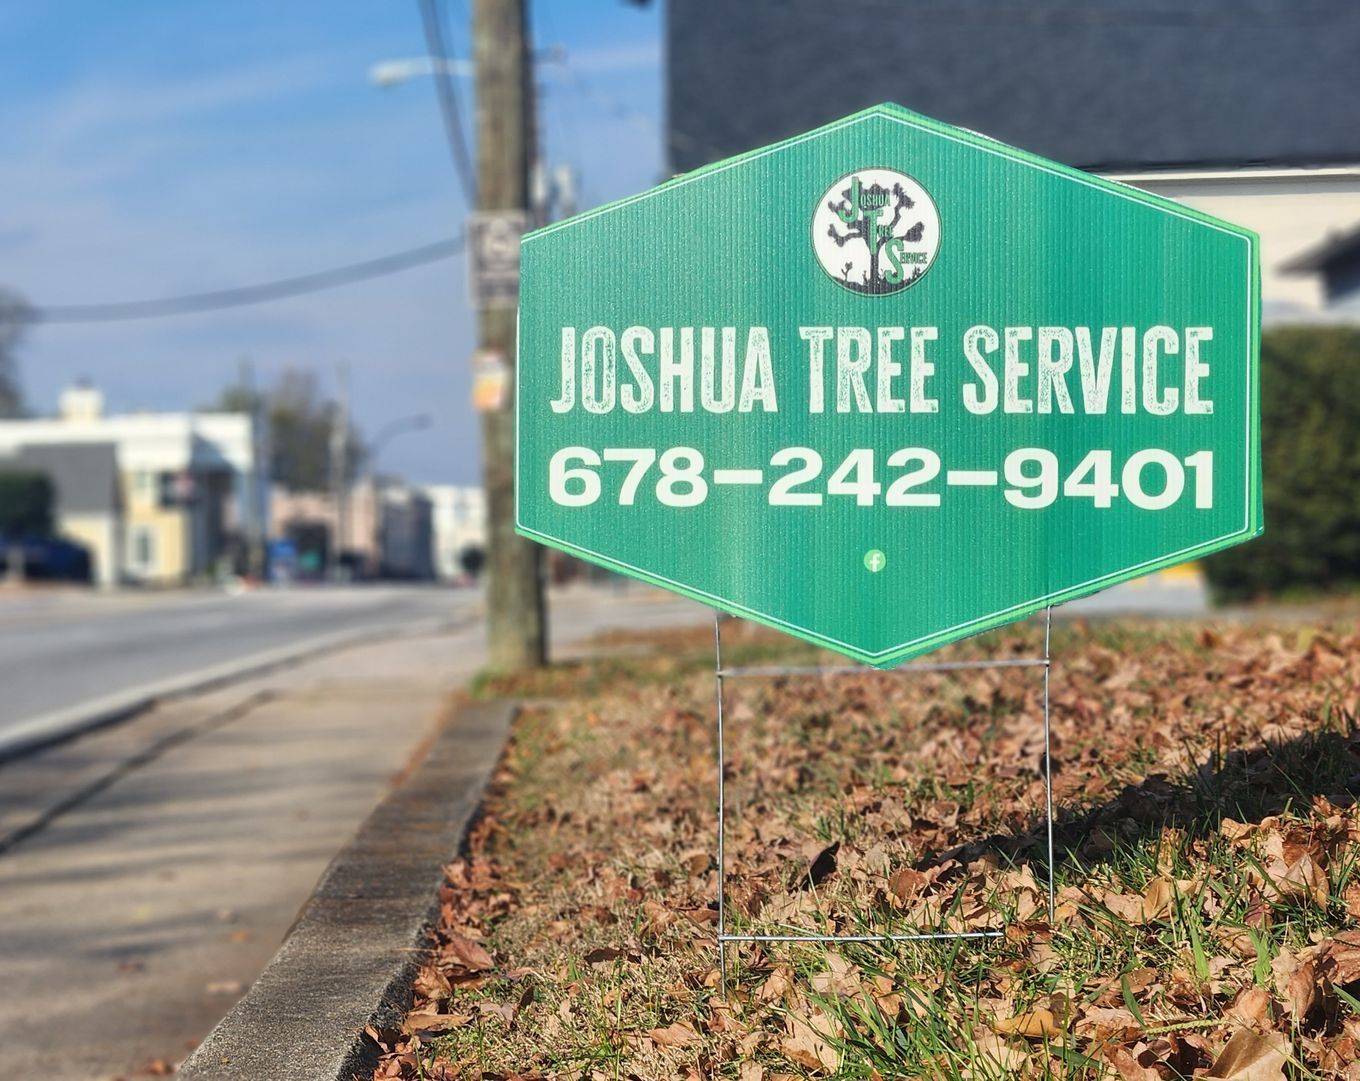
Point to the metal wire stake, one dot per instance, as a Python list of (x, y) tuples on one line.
[(1048, 764), (720, 673), (722, 877), (919, 936)]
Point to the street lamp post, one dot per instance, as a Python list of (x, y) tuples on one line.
[(387, 73)]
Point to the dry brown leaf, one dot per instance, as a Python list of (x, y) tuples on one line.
[(1303, 879), (1239, 943), (841, 977), (1303, 992), (506, 1011), (679, 1034), (1037, 1024), (431, 1023), (1154, 904), (807, 1041), (777, 985), (1157, 899), (1292, 977), (696, 862), (1112, 1022), (1127, 906), (906, 883), (1252, 1007), (994, 1057), (1252, 1056), (658, 916), (432, 984), (468, 954), (1130, 1069), (1339, 958)]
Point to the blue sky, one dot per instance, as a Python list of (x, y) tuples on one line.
[(155, 148)]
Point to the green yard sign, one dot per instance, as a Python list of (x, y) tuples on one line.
[(888, 384)]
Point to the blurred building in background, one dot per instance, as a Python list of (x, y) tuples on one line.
[(388, 530), (405, 533), (459, 529), (1243, 110), (152, 496), (87, 498)]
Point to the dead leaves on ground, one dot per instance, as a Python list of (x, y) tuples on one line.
[(577, 934), (1252, 1056), (1047, 1022), (812, 1041), (678, 1034)]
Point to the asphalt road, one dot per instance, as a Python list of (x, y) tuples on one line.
[(153, 866), (60, 650)]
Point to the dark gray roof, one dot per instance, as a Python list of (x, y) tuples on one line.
[(84, 475), (1099, 84)]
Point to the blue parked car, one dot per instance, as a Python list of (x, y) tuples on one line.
[(50, 559)]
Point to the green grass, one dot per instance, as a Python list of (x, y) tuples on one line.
[(608, 789)]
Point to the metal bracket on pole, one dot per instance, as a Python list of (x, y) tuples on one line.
[(720, 674)]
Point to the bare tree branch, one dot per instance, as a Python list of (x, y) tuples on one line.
[(859, 231)]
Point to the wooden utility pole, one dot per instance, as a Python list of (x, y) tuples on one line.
[(516, 622), (339, 455), (256, 527)]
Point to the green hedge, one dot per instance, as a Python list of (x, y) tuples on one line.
[(1310, 457), (25, 504)]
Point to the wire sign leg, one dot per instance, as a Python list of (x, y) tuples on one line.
[(720, 674), (722, 771), (1048, 764)]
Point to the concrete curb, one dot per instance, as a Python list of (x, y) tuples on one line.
[(351, 955), (48, 728)]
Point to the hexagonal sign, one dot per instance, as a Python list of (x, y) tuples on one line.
[(888, 384)]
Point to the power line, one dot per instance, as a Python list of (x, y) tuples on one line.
[(612, 106), (239, 297), (448, 100), (544, 12)]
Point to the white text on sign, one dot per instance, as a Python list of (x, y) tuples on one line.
[(1150, 479), (1158, 370)]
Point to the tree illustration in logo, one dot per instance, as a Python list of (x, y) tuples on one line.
[(863, 210)]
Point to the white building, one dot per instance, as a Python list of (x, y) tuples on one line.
[(1304, 216), (459, 517), (180, 479)]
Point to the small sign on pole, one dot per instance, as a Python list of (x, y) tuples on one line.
[(493, 242), (490, 381), (888, 384)]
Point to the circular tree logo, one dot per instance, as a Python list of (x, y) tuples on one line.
[(876, 231)]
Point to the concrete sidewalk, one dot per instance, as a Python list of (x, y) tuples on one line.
[(160, 862), (131, 923)]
